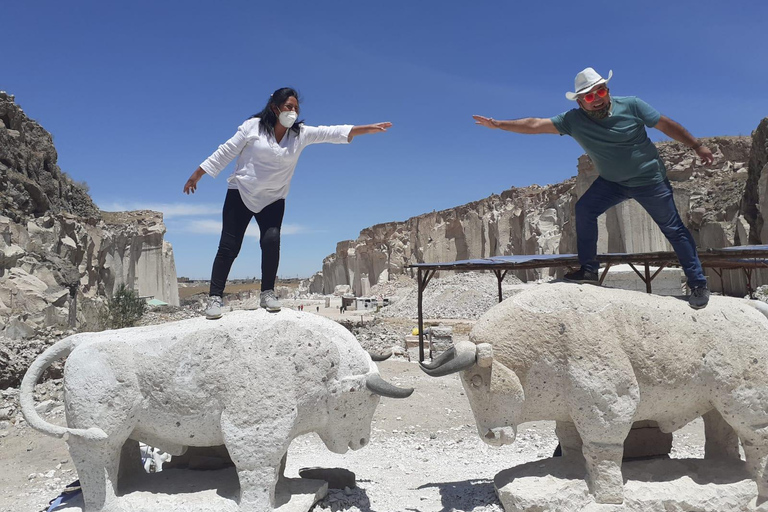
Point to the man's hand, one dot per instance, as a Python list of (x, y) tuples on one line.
[(705, 154), (675, 130), (525, 125), (488, 122)]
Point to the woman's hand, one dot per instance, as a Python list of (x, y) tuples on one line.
[(368, 128), (191, 185)]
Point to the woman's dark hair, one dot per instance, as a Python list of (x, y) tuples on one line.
[(268, 117)]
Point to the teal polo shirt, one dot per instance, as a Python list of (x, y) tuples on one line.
[(618, 145)]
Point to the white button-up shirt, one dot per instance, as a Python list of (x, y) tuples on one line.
[(265, 167)]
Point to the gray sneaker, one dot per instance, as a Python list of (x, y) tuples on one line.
[(269, 301), (213, 311), (699, 297)]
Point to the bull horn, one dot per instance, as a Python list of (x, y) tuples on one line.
[(377, 385), (442, 358), (462, 356), (380, 357)]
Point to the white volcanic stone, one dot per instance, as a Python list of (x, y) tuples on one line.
[(252, 381), (596, 360), (670, 485)]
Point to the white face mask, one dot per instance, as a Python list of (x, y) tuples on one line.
[(287, 118)]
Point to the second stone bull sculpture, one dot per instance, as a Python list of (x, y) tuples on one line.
[(252, 382), (595, 360)]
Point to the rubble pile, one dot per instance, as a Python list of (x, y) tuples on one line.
[(381, 337), (164, 314), (398, 287), (16, 355), (464, 295)]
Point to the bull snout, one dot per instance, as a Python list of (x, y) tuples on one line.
[(499, 436), (340, 444)]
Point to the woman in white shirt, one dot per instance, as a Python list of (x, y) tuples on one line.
[(267, 147)]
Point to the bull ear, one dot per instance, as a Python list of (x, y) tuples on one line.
[(504, 382)]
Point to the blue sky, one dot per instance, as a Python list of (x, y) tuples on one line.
[(137, 94)]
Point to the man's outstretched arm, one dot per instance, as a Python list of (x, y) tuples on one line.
[(526, 125), (676, 131)]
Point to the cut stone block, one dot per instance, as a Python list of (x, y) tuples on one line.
[(671, 485)]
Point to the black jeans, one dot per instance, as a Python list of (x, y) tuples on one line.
[(235, 219)]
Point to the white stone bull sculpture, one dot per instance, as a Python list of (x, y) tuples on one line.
[(599, 359), (252, 381)]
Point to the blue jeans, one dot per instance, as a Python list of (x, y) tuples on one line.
[(658, 201)]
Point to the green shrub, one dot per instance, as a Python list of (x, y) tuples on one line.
[(124, 309)]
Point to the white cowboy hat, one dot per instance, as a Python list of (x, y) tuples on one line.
[(585, 80)]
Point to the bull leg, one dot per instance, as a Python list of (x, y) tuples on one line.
[(755, 443), (257, 488), (130, 460), (257, 450), (721, 440), (756, 453), (604, 478), (602, 401), (749, 420), (570, 440), (97, 466)]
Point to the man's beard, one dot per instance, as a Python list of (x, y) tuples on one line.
[(598, 114)]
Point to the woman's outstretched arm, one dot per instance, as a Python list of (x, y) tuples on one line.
[(367, 128)]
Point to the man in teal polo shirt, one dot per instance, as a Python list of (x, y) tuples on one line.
[(611, 130)]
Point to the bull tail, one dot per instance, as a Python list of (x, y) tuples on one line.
[(26, 399), (760, 306)]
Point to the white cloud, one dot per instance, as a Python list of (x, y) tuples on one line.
[(201, 227), (294, 229), (213, 227), (170, 210)]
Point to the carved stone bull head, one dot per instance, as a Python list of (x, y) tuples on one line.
[(494, 391)]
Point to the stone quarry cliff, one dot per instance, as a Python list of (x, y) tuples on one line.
[(723, 204), (60, 256)]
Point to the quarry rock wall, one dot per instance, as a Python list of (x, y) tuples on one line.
[(60, 256)]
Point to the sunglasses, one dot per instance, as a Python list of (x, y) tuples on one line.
[(592, 96)]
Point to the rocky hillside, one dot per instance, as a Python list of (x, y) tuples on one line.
[(60, 256), (31, 182), (721, 203)]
